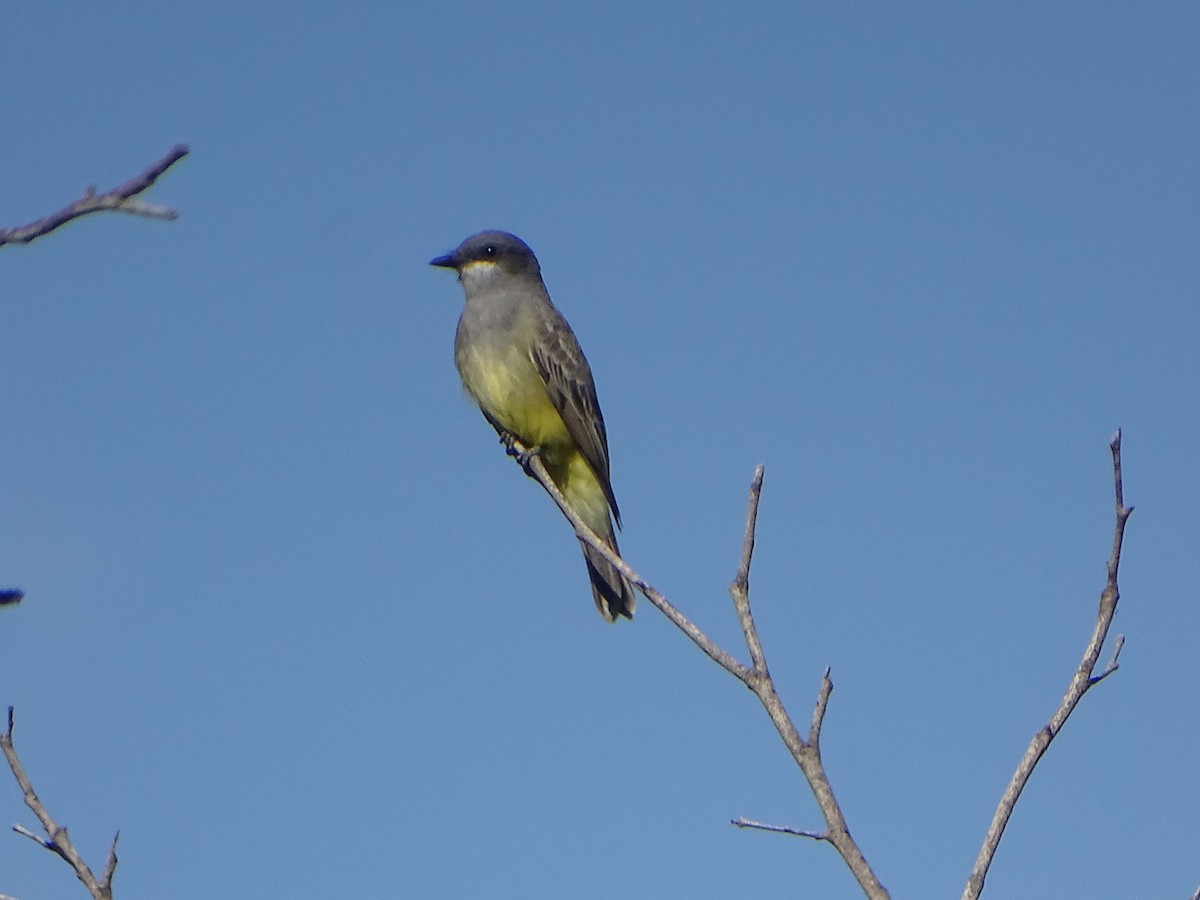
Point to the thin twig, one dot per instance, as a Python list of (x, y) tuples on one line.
[(536, 469), (1113, 663), (1081, 681), (740, 589), (807, 754), (121, 199), (756, 676), (779, 829), (57, 839), (818, 718)]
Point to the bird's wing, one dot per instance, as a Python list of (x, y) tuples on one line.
[(562, 365)]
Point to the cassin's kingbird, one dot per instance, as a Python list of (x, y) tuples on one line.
[(521, 363)]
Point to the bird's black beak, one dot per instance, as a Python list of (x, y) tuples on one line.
[(444, 262)]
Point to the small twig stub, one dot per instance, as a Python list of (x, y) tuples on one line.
[(741, 822)]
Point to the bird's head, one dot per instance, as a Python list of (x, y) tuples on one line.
[(484, 257)]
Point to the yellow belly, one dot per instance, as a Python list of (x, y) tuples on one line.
[(509, 389)]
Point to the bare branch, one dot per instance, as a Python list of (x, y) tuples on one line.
[(741, 822), (120, 199), (57, 839), (1081, 681), (740, 589), (1113, 664), (110, 863), (536, 469), (36, 838), (818, 719), (756, 677)]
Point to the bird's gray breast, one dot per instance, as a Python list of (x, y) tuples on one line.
[(492, 350)]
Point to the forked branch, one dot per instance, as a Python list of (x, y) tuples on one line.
[(121, 199), (756, 676), (56, 839), (806, 750), (1081, 681)]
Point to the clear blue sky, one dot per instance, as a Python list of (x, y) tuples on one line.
[(298, 627)]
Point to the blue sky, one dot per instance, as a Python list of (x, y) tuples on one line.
[(298, 627)]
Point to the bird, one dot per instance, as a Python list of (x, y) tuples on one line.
[(521, 363)]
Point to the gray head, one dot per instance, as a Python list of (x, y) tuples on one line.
[(490, 255)]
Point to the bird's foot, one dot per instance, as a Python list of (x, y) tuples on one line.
[(518, 451)]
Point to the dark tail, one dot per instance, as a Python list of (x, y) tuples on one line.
[(612, 591)]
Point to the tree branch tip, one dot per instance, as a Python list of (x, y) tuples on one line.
[(742, 822), (119, 198), (1113, 664), (137, 207), (37, 839), (8, 733), (110, 864), (1081, 681)]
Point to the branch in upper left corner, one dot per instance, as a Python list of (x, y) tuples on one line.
[(120, 199)]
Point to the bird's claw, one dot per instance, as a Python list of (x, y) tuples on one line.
[(523, 455)]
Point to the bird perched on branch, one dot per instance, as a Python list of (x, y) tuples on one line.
[(520, 361)]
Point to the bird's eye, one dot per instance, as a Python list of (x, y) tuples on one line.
[(489, 251)]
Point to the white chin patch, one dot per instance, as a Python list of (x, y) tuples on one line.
[(479, 265), (479, 271)]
